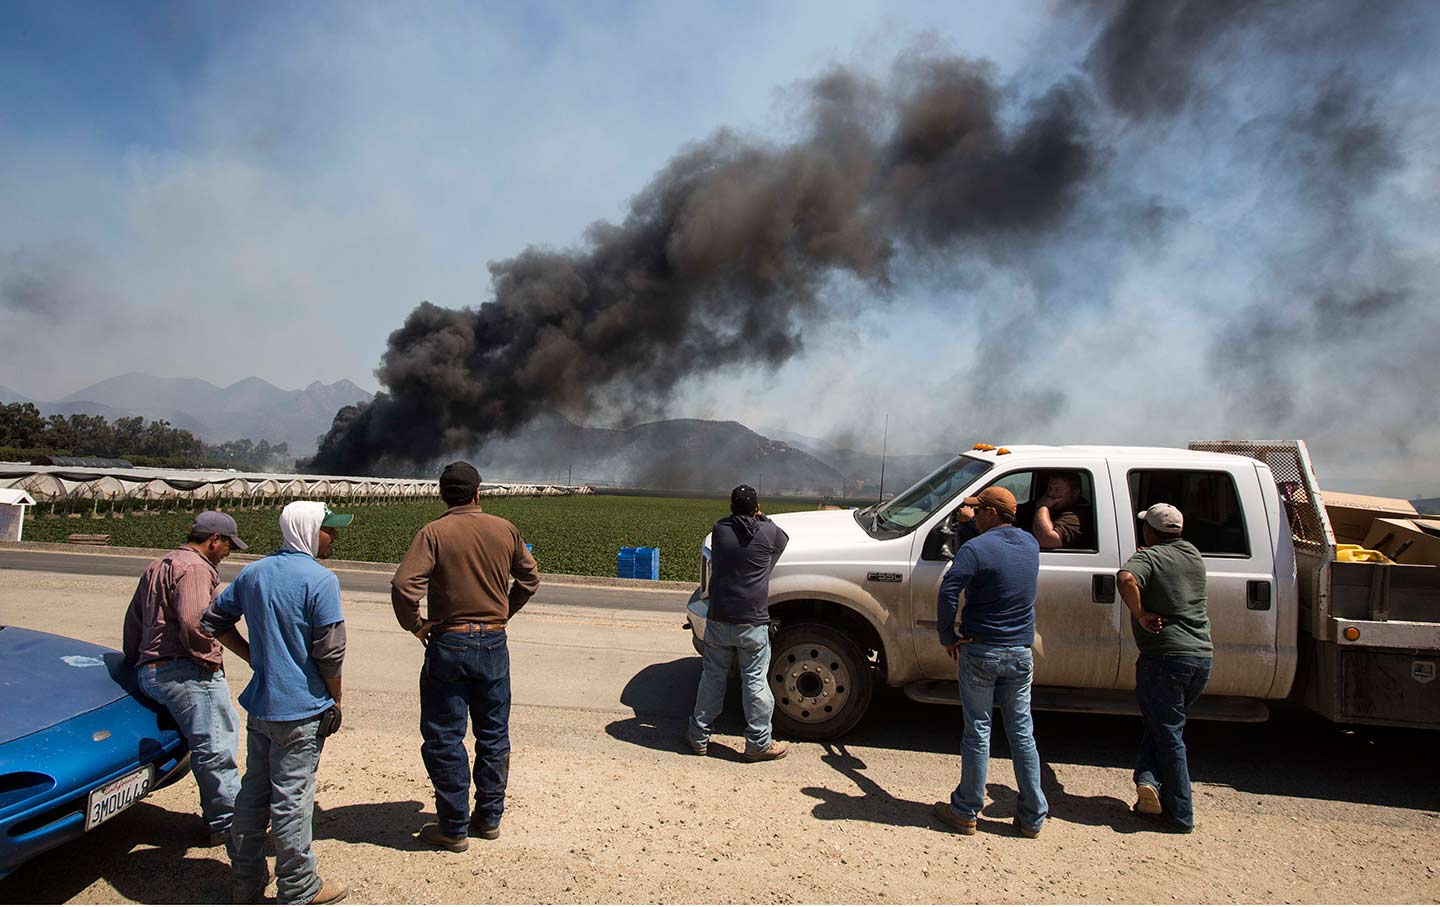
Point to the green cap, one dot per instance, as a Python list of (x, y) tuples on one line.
[(336, 520)]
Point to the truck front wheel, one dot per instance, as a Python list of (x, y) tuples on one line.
[(821, 679)]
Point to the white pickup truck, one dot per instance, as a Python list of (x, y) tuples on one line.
[(853, 596)]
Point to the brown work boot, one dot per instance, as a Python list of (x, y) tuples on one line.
[(1147, 800), (776, 750), (331, 893), (432, 835), (1026, 831), (946, 813)]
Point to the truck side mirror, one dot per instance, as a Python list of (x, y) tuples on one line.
[(939, 545)]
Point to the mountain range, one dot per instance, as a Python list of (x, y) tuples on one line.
[(674, 454), (250, 408)]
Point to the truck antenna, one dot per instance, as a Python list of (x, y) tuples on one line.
[(884, 449)]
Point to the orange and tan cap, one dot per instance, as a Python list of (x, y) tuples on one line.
[(999, 498)]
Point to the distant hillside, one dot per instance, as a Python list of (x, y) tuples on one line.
[(677, 454), (11, 395), (250, 408), (861, 469)]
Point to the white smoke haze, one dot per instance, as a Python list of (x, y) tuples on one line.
[(1254, 255)]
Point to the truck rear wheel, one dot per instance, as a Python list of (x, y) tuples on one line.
[(821, 679)]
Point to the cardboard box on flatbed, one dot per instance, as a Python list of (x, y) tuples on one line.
[(1352, 514), (1388, 535)]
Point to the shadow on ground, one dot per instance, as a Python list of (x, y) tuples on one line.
[(1295, 754), (393, 825), (147, 854)]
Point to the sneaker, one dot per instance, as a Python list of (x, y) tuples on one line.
[(432, 835), (331, 893), (1147, 800), (481, 828), (1024, 831), (776, 750), (699, 749), (946, 813)]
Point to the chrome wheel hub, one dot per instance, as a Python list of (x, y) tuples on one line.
[(811, 682)]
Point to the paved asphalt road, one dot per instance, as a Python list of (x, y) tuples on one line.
[(351, 580)]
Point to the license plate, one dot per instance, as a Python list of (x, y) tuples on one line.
[(109, 800)]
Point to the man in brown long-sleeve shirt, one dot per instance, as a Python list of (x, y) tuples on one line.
[(180, 666), (464, 563)]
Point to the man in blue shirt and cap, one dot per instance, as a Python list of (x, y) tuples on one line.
[(999, 572)]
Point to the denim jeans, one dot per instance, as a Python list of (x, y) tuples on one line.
[(724, 644), (991, 674), (279, 787), (199, 701), (466, 673), (1166, 686)]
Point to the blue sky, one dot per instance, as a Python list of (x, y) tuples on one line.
[(225, 189)]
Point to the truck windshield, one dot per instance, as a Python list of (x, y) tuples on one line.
[(922, 500)]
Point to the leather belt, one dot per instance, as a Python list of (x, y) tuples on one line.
[(467, 627), (202, 665)]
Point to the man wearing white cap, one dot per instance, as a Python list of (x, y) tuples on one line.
[(1163, 585)]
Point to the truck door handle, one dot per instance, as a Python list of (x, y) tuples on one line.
[(1102, 588), (1257, 595)]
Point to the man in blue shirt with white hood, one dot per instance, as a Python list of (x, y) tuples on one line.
[(291, 607)]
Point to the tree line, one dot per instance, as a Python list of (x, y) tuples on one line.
[(25, 433)]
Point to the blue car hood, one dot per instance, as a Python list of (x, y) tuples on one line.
[(47, 679)]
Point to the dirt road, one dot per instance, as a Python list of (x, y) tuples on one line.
[(604, 806)]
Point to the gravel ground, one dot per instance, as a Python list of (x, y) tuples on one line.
[(604, 807)]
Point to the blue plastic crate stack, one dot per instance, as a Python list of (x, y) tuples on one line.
[(638, 563)]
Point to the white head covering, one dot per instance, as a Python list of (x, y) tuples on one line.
[(300, 526)]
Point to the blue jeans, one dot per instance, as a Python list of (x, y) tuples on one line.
[(1166, 686), (466, 673), (279, 787), (724, 644), (199, 701), (990, 674)]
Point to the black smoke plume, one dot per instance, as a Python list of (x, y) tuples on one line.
[(728, 254), (723, 257)]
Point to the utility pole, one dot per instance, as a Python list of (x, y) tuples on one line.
[(570, 474), (884, 449)]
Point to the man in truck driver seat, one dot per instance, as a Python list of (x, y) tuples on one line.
[(744, 548), (1163, 585), (1059, 517), (999, 572)]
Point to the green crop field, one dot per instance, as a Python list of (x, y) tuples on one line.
[(578, 534)]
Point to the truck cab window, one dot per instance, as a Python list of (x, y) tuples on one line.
[(1214, 521), (1076, 517)]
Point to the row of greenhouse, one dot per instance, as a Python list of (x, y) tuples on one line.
[(145, 487)]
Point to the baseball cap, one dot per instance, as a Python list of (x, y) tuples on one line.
[(213, 522), (744, 500), (994, 496), (336, 520), (1163, 518), (458, 482)]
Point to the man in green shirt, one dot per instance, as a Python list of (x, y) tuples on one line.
[(1163, 585)]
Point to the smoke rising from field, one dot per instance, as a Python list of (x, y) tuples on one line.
[(727, 256), (723, 257)]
